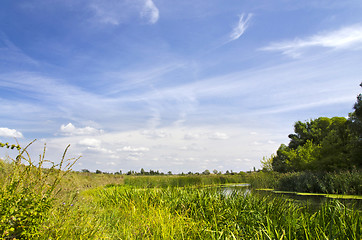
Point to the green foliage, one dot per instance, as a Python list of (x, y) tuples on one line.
[(27, 194), (181, 181), (320, 144), (355, 124), (267, 163), (207, 213), (263, 179), (348, 182), (323, 144)]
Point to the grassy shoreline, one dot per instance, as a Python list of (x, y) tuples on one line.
[(107, 206)]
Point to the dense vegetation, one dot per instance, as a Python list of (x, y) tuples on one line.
[(323, 144), (106, 206)]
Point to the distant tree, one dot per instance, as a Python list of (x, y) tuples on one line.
[(85, 170), (189, 173), (169, 173), (215, 171), (98, 171), (206, 172), (142, 171)]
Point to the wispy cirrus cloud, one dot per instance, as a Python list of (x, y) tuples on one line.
[(240, 28), (10, 53), (345, 38), (150, 12), (114, 12)]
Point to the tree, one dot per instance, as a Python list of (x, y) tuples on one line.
[(206, 172), (355, 126), (319, 144), (267, 163), (281, 162)]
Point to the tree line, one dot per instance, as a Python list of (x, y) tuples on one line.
[(322, 144)]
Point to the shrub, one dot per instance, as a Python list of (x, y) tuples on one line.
[(27, 194)]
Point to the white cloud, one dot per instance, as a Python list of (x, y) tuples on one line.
[(344, 38), (150, 12), (155, 133), (218, 136), (191, 136), (133, 149), (90, 142), (116, 12), (193, 147), (94, 145), (70, 129), (9, 52), (240, 28), (7, 132)]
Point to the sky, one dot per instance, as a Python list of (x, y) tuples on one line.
[(173, 85)]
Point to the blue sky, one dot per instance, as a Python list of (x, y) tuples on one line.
[(173, 85)]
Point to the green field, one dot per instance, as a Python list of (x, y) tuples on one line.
[(38, 203)]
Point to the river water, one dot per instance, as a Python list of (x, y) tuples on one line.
[(312, 201)]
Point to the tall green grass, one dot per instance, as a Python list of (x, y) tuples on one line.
[(348, 182), (181, 181), (189, 213), (55, 203), (28, 192)]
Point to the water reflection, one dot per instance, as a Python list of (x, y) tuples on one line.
[(310, 201), (235, 189)]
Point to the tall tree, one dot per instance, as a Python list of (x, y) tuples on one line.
[(355, 120)]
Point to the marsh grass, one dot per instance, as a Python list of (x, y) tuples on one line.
[(55, 203), (191, 213), (181, 181), (347, 182)]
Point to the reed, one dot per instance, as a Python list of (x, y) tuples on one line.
[(206, 213), (181, 181), (347, 182)]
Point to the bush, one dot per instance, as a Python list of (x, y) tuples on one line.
[(348, 182), (27, 194)]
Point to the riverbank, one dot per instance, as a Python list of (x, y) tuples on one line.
[(108, 206)]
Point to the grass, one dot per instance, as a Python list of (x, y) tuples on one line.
[(55, 203), (181, 181), (189, 213)]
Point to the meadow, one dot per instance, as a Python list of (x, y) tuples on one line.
[(57, 203)]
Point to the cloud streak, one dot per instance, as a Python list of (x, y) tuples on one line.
[(344, 38), (114, 12), (150, 12), (240, 28)]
